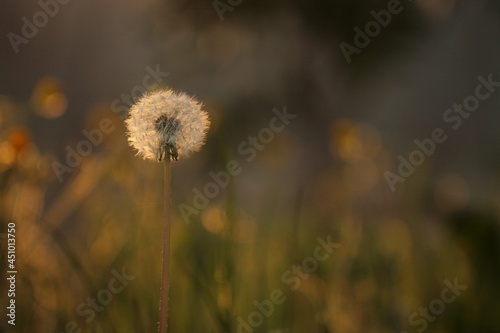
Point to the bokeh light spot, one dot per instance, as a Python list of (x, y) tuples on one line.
[(48, 99)]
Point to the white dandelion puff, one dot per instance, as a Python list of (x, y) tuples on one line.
[(166, 124)]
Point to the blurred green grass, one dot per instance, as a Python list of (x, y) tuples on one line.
[(393, 257)]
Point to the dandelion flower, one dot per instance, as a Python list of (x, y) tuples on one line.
[(166, 124)]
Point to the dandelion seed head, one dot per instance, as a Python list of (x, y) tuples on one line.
[(166, 124)]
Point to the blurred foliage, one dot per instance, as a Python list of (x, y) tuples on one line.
[(392, 259)]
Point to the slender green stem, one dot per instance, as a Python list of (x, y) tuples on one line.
[(165, 264)]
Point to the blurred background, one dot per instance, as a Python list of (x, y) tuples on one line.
[(67, 67)]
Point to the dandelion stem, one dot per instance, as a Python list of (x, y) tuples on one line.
[(165, 264)]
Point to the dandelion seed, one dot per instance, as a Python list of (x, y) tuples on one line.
[(166, 124)]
